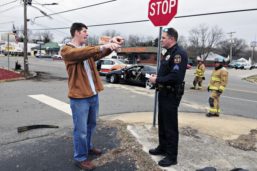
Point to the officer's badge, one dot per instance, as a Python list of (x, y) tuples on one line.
[(167, 57), (177, 59)]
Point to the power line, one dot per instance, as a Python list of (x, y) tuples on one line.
[(7, 22), (8, 3), (9, 8), (64, 19), (74, 9), (140, 21)]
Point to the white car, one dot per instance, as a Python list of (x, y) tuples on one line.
[(105, 65), (248, 66), (57, 57)]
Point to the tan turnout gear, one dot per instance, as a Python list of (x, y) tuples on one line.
[(199, 76), (218, 82)]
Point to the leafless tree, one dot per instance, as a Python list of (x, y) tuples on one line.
[(239, 47), (45, 36), (133, 40), (203, 39), (182, 41), (110, 33), (93, 40)]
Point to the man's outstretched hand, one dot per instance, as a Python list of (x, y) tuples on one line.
[(118, 40)]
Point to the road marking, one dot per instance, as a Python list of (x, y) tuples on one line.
[(137, 90), (240, 99), (57, 104), (244, 91)]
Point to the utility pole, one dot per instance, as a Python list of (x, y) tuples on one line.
[(253, 45), (25, 41), (231, 45)]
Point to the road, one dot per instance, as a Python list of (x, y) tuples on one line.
[(239, 98), (40, 149)]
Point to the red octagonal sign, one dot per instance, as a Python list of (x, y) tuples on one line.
[(161, 12)]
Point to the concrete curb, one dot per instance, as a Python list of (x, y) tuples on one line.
[(224, 127)]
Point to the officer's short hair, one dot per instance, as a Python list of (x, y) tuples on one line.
[(76, 27), (171, 32)]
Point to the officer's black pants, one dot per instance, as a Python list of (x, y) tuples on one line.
[(168, 123)]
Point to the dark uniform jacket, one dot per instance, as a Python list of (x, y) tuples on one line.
[(173, 67)]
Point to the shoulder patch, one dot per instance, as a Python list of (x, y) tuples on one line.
[(177, 59)]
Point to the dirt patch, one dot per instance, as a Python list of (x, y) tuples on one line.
[(252, 79), (129, 148), (245, 142), (190, 132)]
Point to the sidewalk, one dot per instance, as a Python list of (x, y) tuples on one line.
[(204, 142)]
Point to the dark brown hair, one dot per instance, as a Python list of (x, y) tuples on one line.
[(76, 27)]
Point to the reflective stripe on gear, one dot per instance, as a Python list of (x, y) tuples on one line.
[(213, 110), (213, 88), (215, 79), (221, 88), (199, 73)]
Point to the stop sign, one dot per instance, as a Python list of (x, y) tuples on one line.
[(161, 12)]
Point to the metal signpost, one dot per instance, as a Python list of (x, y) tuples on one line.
[(160, 13)]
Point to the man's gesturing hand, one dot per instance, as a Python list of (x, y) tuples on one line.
[(117, 39), (111, 46)]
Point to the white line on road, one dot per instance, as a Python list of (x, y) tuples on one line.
[(57, 104), (240, 99)]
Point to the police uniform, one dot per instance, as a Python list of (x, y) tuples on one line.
[(170, 84), (218, 82), (199, 76)]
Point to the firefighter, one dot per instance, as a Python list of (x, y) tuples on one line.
[(199, 74), (218, 82)]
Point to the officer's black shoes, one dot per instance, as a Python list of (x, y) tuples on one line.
[(167, 161), (157, 151), (192, 88), (212, 115)]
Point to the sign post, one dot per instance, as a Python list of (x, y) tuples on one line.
[(160, 13)]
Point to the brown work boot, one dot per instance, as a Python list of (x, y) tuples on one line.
[(95, 151), (86, 164)]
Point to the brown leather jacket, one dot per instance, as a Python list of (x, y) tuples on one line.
[(78, 83)]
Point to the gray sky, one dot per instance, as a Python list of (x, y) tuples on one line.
[(244, 24)]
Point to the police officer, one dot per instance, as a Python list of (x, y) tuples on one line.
[(170, 84), (218, 82), (199, 74)]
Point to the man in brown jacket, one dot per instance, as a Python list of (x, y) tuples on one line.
[(84, 84)]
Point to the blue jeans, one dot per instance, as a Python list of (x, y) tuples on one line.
[(84, 113)]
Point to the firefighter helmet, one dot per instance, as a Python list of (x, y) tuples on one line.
[(198, 58)]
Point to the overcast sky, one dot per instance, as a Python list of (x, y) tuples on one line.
[(244, 24)]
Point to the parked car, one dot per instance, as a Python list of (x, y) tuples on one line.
[(135, 75), (244, 66), (106, 65), (232, 64), (57, 57), (254, 65)]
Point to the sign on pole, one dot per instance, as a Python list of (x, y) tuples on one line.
[(161, 12)]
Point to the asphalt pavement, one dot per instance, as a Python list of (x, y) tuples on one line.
[(204, 142)]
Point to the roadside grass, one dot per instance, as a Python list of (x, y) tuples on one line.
[(252, 79)]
